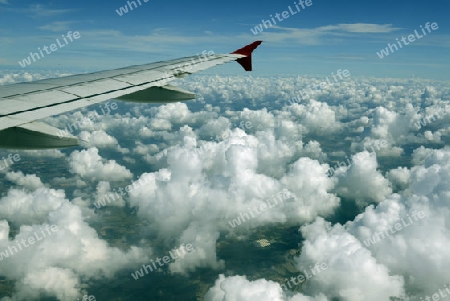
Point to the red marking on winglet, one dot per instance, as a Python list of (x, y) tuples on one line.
[(246, 61)]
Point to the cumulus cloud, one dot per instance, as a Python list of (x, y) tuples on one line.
[(387, 241), (90, 165), (21, 207), (202, 190), (360, 180), (352, 274), (27, 181), (97, 139), (65, 249), (238, 288), (209, 162), (316, 117)]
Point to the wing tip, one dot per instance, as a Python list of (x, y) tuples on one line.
[(248, 49), (246, 62)]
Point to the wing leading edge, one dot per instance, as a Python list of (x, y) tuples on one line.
[(23, 103)]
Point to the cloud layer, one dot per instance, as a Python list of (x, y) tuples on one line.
[(342, 165)]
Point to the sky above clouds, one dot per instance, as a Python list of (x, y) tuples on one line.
[(324, 36)]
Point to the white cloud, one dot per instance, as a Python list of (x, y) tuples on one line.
[(28, 181), (104, 193), (352, 274), (361, 180), (319, 35), (238, 288), (59, 26), (361, 28), (205, 170), (21, 207), (193, 200), (97, 139), (88, 164), (55, 265)]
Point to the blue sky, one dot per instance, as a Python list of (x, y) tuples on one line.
[(324, 37)]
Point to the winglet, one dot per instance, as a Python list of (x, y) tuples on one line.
[(246, 61)]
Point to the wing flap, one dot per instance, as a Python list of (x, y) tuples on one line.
[(163, 94), (36, 135)]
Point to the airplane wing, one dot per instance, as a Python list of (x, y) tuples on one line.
[(23, 103)]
